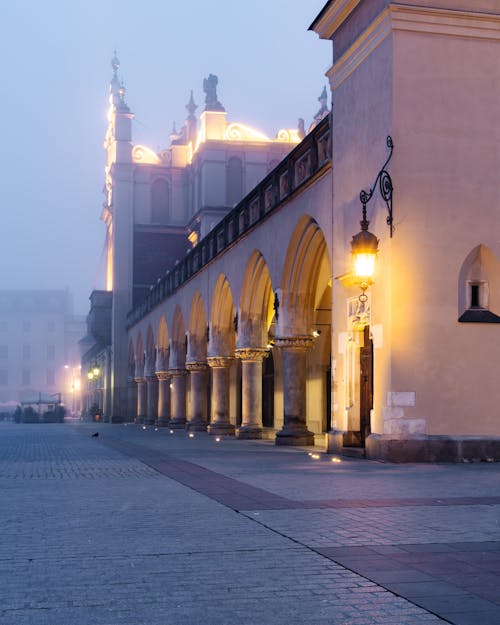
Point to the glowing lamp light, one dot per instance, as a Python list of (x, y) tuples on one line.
[(191, 435), (90, 375), (171, 431), (143, 427), (336, 460), (315, 456), (217, 439), (364, 247), (96, 371)]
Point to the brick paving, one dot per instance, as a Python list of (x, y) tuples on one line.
[(139, 526)]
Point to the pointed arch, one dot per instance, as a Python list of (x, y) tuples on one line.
[(256, 303), (139, 357), (222, 334), (162, 350), (178, 341), (131, 360), (150, 358), (306, 266), (197, 344), (479, 286)]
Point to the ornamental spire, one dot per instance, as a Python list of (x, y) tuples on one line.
[(323, 111), (117, 87), (191, 106)]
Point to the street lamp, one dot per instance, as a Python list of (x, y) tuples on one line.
[(364, 244)]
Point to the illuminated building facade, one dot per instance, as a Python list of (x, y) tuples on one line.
[(159, 205), (264, 330)]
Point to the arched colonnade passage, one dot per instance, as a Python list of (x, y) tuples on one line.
[(202, 365)]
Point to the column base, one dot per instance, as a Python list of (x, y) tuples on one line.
[(249, 432), (221, 429), (196, 426), (163, 422), (116, 419), (149, 421), (139, 420), (177, 425), (297, 438)]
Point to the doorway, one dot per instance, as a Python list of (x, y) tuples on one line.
[(366, 385)]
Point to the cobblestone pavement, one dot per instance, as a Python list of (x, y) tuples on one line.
[(141, 527)]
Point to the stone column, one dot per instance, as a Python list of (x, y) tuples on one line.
[(163, 398), (178, 399), (220, 423), (142, 399), (251, 391), (198, 377), (294, 351), (152, 410)]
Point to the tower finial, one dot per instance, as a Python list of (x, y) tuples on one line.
[(323, 111), (191, 106), (115, 63), (117, 86)]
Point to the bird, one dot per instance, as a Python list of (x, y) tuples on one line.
[(95, 434)]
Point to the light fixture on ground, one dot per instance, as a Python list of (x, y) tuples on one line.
[(364, 244)]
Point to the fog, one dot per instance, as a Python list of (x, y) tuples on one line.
[(55, 70)]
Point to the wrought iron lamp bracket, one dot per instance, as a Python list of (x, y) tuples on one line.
[(384, 182)]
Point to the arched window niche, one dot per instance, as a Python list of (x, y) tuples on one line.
[(160, 201), (479, 287), (234, 178)]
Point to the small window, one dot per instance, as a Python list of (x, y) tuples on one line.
[(4, 326), (474, 296), (4, 351), (4, 377), (51, 326), (51, 352), (26, 377), (26, 352), (26, 326)]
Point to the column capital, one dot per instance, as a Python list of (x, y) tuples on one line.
[(140, 380), (298, 343), (151, 378), (177, 373), (219, 361), (163, 375), (252, 353), (196, 366)]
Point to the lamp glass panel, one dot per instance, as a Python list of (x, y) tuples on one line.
[(364, 265)]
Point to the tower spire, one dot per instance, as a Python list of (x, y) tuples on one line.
[(117, 87), (190, 125)]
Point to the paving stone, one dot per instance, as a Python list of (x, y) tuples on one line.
[(162, 535)]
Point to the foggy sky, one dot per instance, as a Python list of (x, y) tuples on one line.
[(55, 71)]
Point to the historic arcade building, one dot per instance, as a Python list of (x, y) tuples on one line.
[(244, 299)]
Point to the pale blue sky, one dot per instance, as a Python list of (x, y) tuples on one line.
[(55, 70)]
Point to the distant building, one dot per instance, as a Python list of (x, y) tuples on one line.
[(39, 351)]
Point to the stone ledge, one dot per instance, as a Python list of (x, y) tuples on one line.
[(433, 448)]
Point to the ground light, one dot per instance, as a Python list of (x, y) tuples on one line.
[(191, 435)]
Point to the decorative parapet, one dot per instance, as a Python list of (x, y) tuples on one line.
[(304, 163)]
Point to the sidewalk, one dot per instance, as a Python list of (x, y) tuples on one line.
[(139, 527)]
